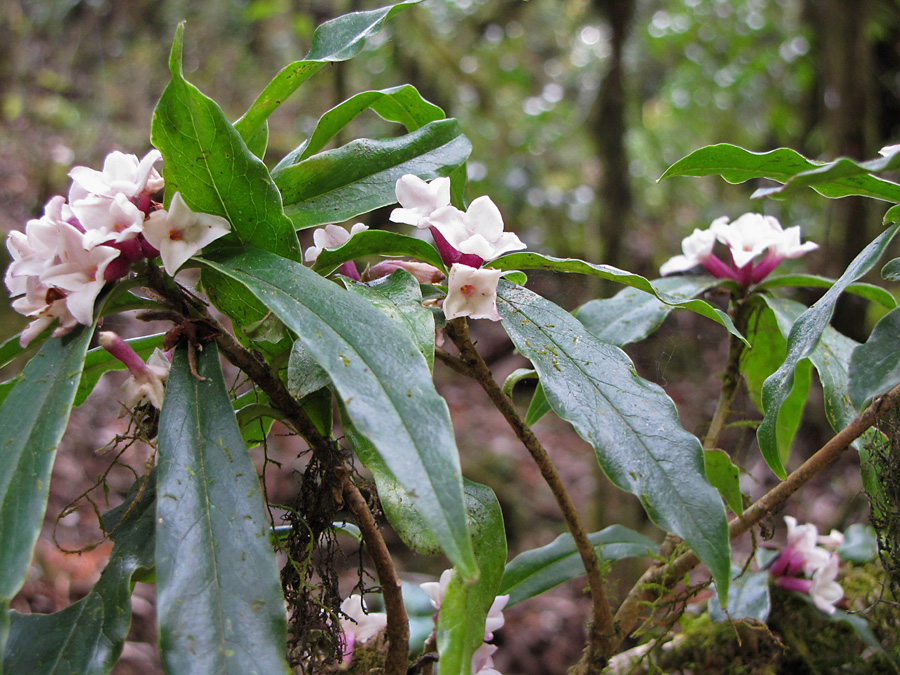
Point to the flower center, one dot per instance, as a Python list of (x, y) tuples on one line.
[(468, 290), (176, 235)]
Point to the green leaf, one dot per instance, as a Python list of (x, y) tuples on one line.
[(875, 365), (804, 337), (891, 271), (460, 626), (868, 291), (630, 422), (517, 376), (340, 39), (725, 477), (11, 349), (212, 535), (87, 637), (737, 165), (336, 185), (382, 378), (535, 261), (33, 418), (842, 173), (860, 544), (399, 297), (304, 374), (402, 104), (538, 407), (632, 314), (207, 161), (377, 242), (748, 598), (99, 361), (768, 333), (533, 572)]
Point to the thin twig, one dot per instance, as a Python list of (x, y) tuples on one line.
[(647, 589), (602, 629), (396, 660)]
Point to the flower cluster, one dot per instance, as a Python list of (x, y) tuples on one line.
[(147, 380), (807, 553), (746, 239), (358, 625), (64, 258), (482, 661)]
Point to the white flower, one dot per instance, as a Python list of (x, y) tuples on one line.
[(436, 590), (696, 248), (330, 236), (825, 591), (35, 250), (121, 174), (418, 199), (478, 231), (43, 304), (180, 233), (357, 625), (482, 663), (833, 540), (803, 539), (108, 220), (495, 620), (472, 292), (147, 380)]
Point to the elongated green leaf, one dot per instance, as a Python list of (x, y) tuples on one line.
[(868, 291), (11, 349), (33, 418), (748, 598), (839, 172), (737, 165), (517, 376), (535, 261), (339, 184), (538, 407), (803, 339), (399, 297), (461, 621), (212, 535), (207, 161), (340, 39), (768, 333), (633, 314), (630, 422), (377, 242), (382, 378), (398, 104), (891, 271), (533, 572), (725, 477), (99, 361), (875, 366), (87, 637)]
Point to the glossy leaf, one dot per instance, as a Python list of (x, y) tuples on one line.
[(99, 361), (304, 374), (516, 376), (535, 261), (630, 422), (875, 365), (460, 626), (402, 104), (748, 598), (725, 477), (377, 242), (804, 337), (868, 291), (11, 349), (860, 544), (841, 172), (633, 314), (336, 185), (399, 297), (891, 271), (212, 535), (538, 407), (536, 571), (340, 39), (207, 161), (33, 418), (768, 335), (382, 378), (87, 637), (737, 165)]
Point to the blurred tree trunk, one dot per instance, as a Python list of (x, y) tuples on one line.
[(845, 68), (608, 127)]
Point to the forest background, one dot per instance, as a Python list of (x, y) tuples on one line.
[(574, 109)]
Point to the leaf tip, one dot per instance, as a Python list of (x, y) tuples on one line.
[(175, 56)]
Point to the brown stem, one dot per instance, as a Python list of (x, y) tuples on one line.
[(731, 378), (397, 659), (667, 575), (602, 629)]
